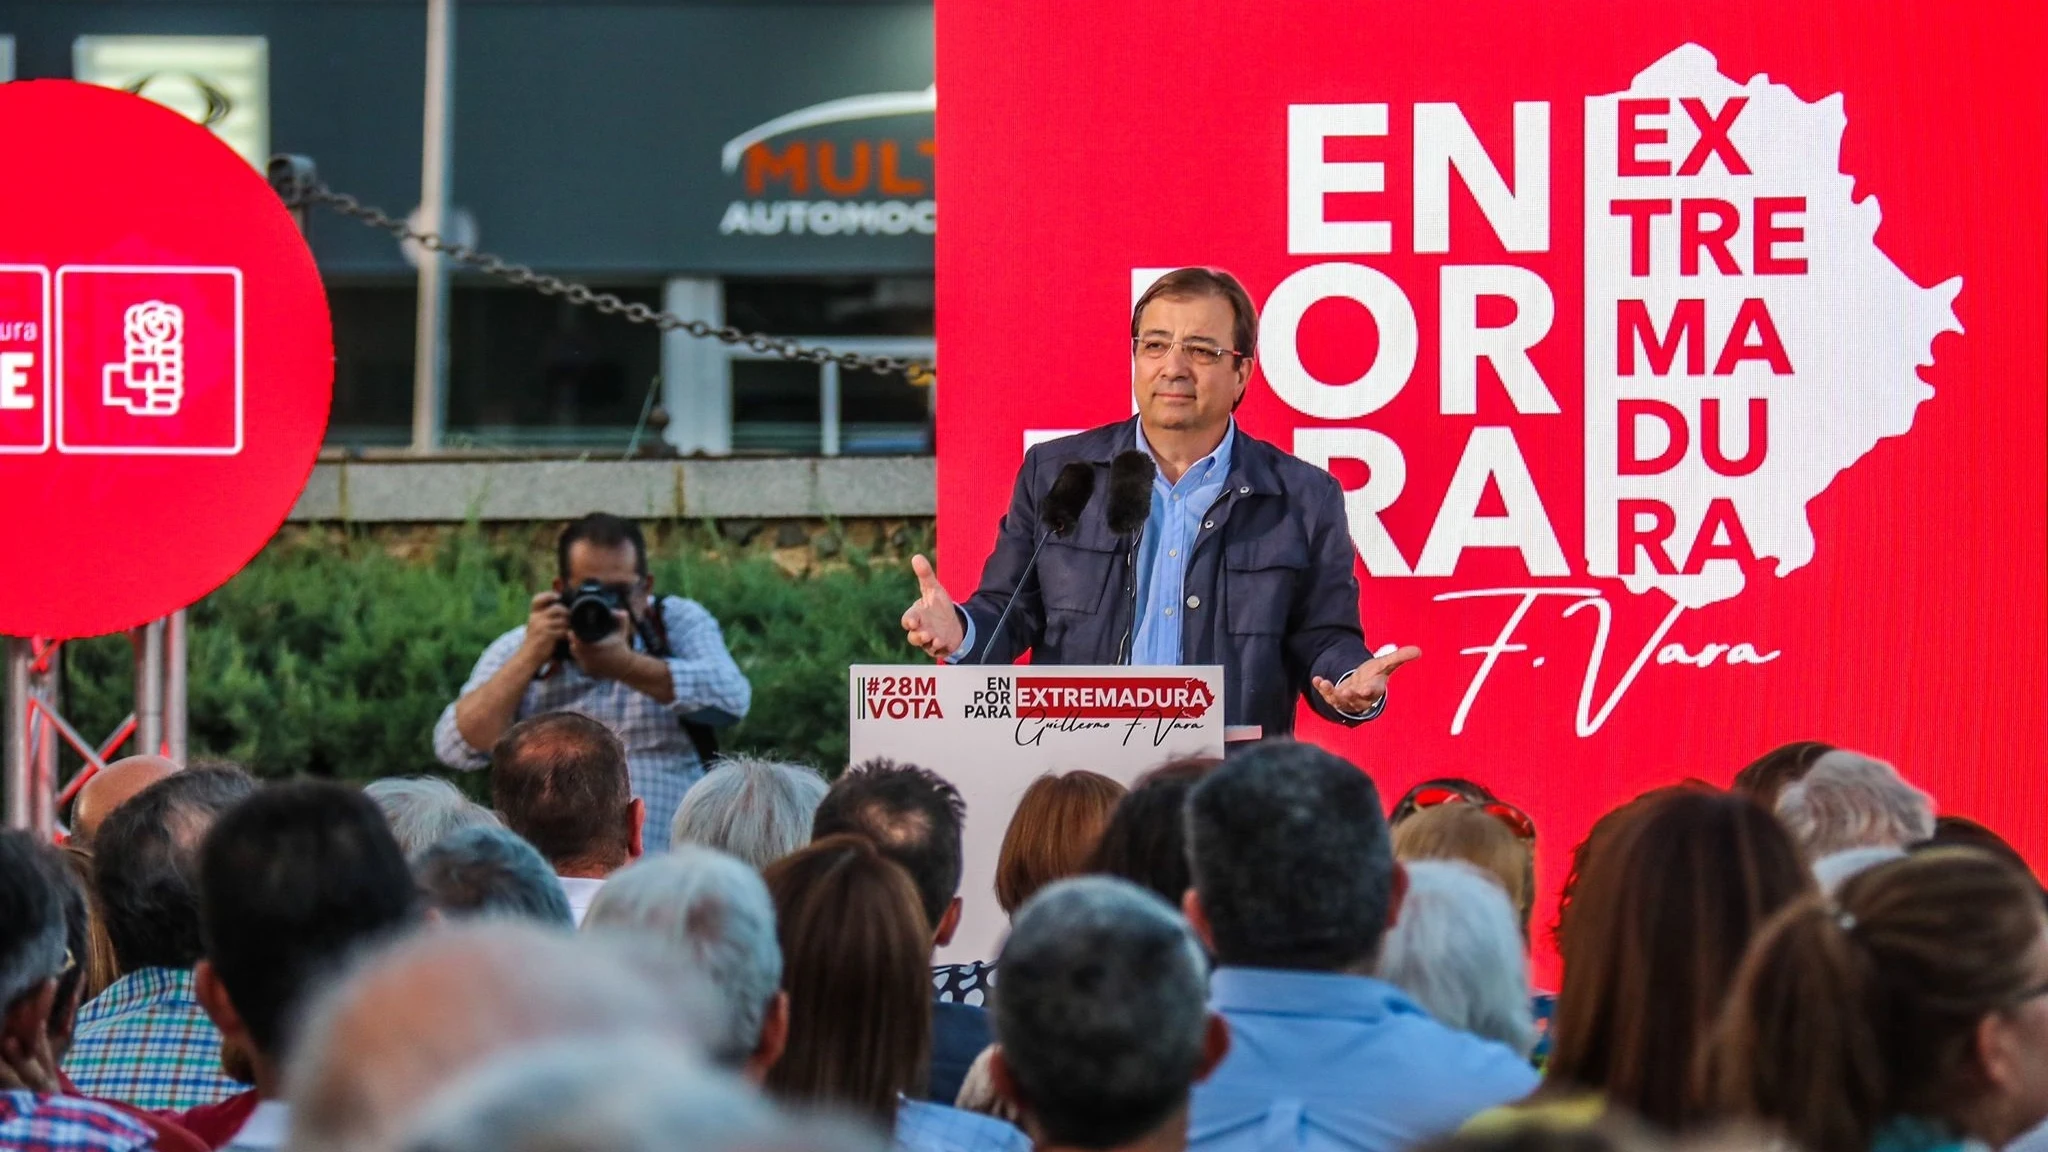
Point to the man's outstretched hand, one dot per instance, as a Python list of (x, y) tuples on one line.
[(931, 623), (1367, 685)]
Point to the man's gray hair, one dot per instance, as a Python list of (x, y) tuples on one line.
[(424, 810), (1290, 855), (1849, 800), (413, 1018), (714, 920), (32, 934), (1457, 948), (757, 810), (488, 870), (1099, 1007), (637, 1095)]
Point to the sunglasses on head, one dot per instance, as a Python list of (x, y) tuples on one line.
[(1517, 820)]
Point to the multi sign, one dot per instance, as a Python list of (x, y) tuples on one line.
[(165, 361), (1685, 379)]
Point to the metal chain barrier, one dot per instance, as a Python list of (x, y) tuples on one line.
[(300, 190)]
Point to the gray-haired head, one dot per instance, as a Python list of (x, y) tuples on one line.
[(1457, 948), (32, 891), (415, 1017), (713, 919), (488, 870), (637, 1095), (1291, 860), (425, 809), (1100, 1008), (1849, 800), (757, 810)]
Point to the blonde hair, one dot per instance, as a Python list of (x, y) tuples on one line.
[(1467, 832)]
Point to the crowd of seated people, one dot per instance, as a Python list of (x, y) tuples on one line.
[(1260, 954)]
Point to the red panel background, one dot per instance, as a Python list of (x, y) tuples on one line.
[(1080, 140)]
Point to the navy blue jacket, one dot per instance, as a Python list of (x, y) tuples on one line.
[(1273, 595)]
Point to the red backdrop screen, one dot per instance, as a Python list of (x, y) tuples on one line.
[(1684, 365)]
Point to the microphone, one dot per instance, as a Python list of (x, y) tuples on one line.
[(1060, 511), (1130, 491)]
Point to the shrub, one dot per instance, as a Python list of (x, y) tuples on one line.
[(333, 653)]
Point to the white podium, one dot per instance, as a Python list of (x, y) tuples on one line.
[(993, 730)]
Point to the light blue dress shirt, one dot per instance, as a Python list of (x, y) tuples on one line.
[(1322, 1062), (922, 1126), (1163, 548)]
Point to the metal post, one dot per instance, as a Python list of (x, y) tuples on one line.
[(18, 778), (149, 690), (430, 338), (175, 726)]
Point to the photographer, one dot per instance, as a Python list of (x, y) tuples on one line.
[(654, 670)]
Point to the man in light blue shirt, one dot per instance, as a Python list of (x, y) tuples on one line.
[(1294, 886)]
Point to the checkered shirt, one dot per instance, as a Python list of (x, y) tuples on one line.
[(709, 686), (146, 1042), (922, 1126), (33, 1123)]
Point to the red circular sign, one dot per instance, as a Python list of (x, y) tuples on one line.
[(166, 361)]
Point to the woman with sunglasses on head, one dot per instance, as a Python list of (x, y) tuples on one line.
[(1669, 892), (1909, 1014)]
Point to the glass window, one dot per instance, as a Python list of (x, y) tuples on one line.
[(775, 408), (778, 406)]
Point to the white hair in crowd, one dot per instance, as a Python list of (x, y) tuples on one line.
[(1849, 800), (757, 810), (424, 809), (419, 1014), (712, 916), (1456, 946), (636, 1095), (1833, 870)]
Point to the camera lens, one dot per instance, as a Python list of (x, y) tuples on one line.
[(590, 617)]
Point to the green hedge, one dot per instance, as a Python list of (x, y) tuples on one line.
[(333, 652)]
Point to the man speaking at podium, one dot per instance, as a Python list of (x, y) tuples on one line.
[(1175, 538)]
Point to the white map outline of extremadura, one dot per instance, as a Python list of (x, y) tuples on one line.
[(1832, 351)]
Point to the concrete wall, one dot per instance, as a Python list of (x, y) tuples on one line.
[(451, 490)]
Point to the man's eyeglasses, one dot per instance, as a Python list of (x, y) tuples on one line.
[(1156, 348), (1517, 820)]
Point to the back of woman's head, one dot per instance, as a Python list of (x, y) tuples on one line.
[(1478, 837), (1146, 840), (1848, 1014), (1057, 823), (855, 962), (1667, 899)]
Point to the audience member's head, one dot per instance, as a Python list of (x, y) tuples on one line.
[(757, 810), (1100, 1015), (490, 871), (293, 881), (1058, 822), (1146, 839), (1665, 904), (1432, 792), (97, 967), (111, 787), (1457, 948), (417, 1016), (559, 779), (1832, 870), (638, 1095), (1963, 832), (423, 809), (1764, 778), (1848, 800), (711, 914), (1291, 861), (38, 988), (146, 865), (1480, 837), (914, 816), (855, 953), (1917, 996)]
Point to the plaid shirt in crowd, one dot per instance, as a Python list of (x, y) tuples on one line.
[(32, 1123), (146, 1042), (709, 688)]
